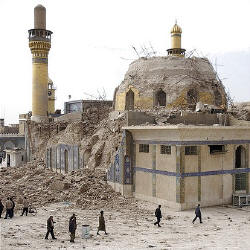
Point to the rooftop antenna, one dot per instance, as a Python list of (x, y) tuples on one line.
[(136, 51), (153, 51)]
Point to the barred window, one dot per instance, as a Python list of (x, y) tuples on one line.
[(165, 149), (191, 150), (144, 148), (240, 182)]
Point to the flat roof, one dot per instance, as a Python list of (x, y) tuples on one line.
[(191, 127)]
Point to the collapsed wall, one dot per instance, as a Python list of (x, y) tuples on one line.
[(96, 135)]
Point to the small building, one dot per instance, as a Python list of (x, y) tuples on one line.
[(83, 105), (63, 158), (14, 157), (180, 166)]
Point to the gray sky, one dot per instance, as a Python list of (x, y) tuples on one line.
[(91, 45)]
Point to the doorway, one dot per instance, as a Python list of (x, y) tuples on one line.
[(8, 160), (161, 98)]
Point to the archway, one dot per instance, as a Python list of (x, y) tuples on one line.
[(217, 98), (240, 162), (160, 98), (130, 100), (66, 161), (192, 96)]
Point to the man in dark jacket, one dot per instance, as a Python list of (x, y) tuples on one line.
[(72, 227), (197, 213), (1, 208), (50, 228), (158, 216), (102, 226), (13, 207)]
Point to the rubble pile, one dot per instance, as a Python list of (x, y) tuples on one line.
[(241, 111), (97, 136), (86, 188)]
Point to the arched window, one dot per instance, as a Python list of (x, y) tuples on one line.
[(160, 98), (130, 100), (240, 157), (217, 98), (192, 96)]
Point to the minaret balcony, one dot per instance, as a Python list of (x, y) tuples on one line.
[(40, 35), (176, 51)]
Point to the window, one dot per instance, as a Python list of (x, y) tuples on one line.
[(190, 150), (144, 148), (217, 149), (161, 98), (192, 96), (22, 158), (165, 149), (240, 157), (240, 182), (217, 98)]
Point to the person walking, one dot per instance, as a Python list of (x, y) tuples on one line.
[(13, 207), (197, 214), (72, 227), (1, 208), (25, 206), (102, 226), (8, 207), (50, 228), (158, 216)]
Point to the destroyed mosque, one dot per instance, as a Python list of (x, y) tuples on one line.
[(169, 136)]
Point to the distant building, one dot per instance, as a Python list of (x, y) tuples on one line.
[(83, 105), (13, 157), (11, 129)]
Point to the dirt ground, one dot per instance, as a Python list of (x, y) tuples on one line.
[(222, 228)]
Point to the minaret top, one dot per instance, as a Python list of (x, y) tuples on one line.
[(176, 49), (40, 17), (176, 29)]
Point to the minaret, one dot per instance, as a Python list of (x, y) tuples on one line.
[(51, 97), (176, 49), (39, 43)]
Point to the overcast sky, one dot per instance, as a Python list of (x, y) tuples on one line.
[(92, 43)]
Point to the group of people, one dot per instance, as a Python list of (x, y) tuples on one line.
[(73, 226), (159, 216), (10, 206)]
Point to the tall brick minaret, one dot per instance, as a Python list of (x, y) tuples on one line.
[(39, 43)]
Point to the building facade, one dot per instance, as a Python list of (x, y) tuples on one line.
[(83, 105), (13, 157), (180, 166)]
